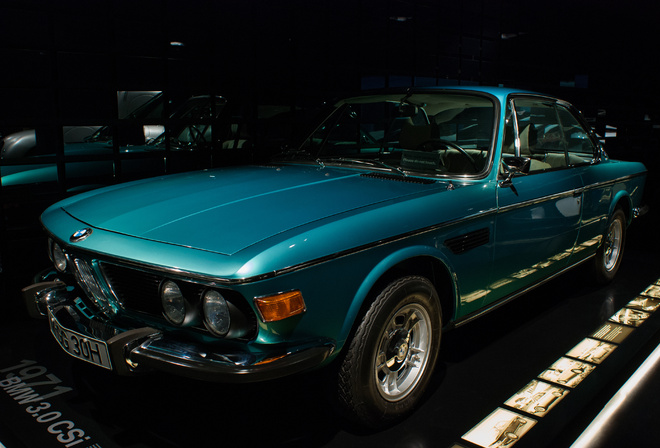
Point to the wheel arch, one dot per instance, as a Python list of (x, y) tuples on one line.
[(427, 262), (623, 201)]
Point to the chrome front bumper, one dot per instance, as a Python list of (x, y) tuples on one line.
[(146, 349)]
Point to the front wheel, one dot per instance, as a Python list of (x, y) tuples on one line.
[(609, 255), (391, 357)]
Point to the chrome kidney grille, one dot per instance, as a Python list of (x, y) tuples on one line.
[(84, 274)]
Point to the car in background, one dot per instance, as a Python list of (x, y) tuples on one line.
[(91, 163), (401, 215), (22, 143)]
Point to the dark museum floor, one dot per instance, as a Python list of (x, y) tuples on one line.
[(482, 366)]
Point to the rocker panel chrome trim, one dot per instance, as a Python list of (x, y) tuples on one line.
[(469, 318)]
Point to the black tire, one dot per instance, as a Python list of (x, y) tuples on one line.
[(610, 253), (389, 361)]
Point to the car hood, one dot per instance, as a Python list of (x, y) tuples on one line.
[(226, 210)]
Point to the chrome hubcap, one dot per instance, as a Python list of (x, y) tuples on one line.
[(613, 245), (402, 353)]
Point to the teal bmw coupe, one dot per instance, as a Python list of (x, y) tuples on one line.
[(401, 215)]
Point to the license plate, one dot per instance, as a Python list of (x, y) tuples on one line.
[(80, 346)]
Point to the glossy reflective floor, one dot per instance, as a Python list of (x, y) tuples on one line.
[(483, 365)]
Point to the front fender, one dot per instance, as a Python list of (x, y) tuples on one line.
[(628, 191), (386, 264)]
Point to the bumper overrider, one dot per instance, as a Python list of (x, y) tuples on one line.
[(90, 338)]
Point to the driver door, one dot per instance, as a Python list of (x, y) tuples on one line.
[(539, 213)]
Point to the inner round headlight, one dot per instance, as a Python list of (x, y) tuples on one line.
[(174, 304), (216, 313), (59, 259)]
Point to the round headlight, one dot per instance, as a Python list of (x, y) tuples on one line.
[(216, 313), (174, 305), (59, 259)]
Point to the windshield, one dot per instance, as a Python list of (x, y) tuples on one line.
[(430, 133)]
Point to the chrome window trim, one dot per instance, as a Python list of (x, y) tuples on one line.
[(575, 112), (516, 128), (497, 112)]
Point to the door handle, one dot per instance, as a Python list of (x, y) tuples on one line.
[(578, 192)]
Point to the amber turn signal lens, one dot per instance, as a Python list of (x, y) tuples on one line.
[(280, 306)]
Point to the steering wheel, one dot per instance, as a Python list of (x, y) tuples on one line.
[(432, 145)]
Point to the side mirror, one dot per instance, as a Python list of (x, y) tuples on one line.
[(513, 166)]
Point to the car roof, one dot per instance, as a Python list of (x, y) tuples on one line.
[(501, 93)]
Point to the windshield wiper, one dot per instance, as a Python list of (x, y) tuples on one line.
[(374, 162)]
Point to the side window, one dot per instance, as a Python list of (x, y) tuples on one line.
[(540, 134), (580, 147)]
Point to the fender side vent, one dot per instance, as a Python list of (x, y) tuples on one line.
[(463, 243), (399, 178)]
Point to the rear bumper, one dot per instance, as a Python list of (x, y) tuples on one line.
[(146, 349), (638, 212)]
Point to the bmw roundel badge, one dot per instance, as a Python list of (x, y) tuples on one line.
[(80, 235)]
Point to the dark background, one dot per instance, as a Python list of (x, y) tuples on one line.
[(63, 62)]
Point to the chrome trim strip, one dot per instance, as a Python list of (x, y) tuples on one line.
[(536, 201), (470, 317), (614, 181), (565, 194), (215, 281)]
